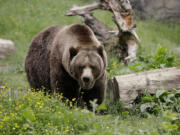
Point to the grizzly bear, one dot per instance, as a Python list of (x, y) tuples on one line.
[(68, 60)]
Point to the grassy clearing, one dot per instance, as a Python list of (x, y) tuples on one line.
[(34, 113)]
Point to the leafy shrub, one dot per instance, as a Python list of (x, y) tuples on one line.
[(165, 104), (163, 58), (113, 67), (116, 68), (115, 107), (171, 123), (161, 101)]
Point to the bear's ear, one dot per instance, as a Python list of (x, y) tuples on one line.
[(100, 50), (73, 52)]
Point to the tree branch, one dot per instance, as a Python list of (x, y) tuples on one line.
[(82, 10)]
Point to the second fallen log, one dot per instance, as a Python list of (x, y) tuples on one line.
[(6, 48)]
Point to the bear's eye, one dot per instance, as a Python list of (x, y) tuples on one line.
[(93, 67), (81, 68)]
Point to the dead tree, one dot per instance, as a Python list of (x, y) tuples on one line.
[(125, 35)]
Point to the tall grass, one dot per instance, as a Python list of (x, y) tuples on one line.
[(35, 114)]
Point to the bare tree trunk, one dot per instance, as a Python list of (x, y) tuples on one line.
[(128, 87), (123, 18)]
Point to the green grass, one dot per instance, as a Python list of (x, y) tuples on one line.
[(36, 114), (155, 34), (20, 21)]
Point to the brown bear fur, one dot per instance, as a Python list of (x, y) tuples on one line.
[(54, 59)]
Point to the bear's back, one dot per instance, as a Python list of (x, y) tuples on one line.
[(81, 34)]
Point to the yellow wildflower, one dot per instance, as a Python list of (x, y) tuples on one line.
[(70, 104), (6, 118), (16, 125), (66, 131), (12, 115), (1, 125)]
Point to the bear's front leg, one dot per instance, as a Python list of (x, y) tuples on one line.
[(97, 92), (63, 83)]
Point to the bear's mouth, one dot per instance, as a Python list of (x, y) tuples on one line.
[(87, 86)]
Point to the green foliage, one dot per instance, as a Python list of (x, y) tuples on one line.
[(163, 103), (116, 68), (115, 107), (163, 58), (159, 102), (34, 113), (29, 114), (171, 124), (113, 67), (157, 33)]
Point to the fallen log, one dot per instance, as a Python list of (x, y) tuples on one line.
[(177, 51), (3, 68), (128, 87), (6, 48)]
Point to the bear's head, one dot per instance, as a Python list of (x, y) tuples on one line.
[(87, 65)]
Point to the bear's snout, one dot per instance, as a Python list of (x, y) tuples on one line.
[(87, 82), (87, 78)]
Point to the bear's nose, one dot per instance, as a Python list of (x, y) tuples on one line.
[(86, 79)]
